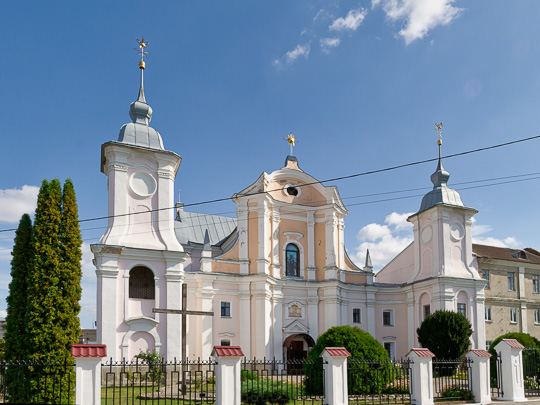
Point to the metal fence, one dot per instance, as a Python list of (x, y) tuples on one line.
[(531, 366), (377, 382), (173, 382), (495, 378), (452, 380), (37, 382), (280, 382)]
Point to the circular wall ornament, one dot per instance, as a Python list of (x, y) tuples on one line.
[(456, 231), (143, 184), (426, 234)]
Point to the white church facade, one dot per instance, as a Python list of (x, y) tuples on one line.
[(276, 276)]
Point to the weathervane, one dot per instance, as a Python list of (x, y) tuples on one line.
[(141, 51), (291, 140), (439, 134)]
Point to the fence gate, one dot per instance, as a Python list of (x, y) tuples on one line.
[(531, 363), (495, 378), (452, 379)]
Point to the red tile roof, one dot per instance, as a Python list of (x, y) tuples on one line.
[(480, 353), (88, 350), (422, 352), (337, 351), (228, 351), (513, 255), (513, 343)]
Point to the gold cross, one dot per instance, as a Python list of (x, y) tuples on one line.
[(141, 51), (439, 133), (291, 140)]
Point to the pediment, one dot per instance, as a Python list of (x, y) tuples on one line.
[(296, 327)]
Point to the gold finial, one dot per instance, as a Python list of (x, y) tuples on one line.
[(439, 133), (142, 52), (291, 140)]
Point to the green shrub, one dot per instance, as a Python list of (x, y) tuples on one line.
[(369, 362), (524, 338), (259, 391), (453, 391), (248, 375), (154, 361)]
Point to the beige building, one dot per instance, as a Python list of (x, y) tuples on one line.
[(513, 290)]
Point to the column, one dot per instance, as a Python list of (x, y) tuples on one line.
[(421, 376), (341, 243), (335, 375), (480, 376), (263, 214), (276, 267), (173, 294), (245, 317), (330, 268), (207, 297), (411, 320), (278, 323), (313, 313), (311, 246), (263, 317), (88, 373), (370, 313), (242, 215), (331, 309), (513, 387), (227, 372), (480, 327)]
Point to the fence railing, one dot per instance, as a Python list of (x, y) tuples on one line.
[(379, 381), (279, 382), (451, 379), (37, 382), (180, 382), (531, 371)]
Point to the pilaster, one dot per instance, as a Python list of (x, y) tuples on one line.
[(242, 215), (278, 323), (245, 317), (276, 267), (311, 269)]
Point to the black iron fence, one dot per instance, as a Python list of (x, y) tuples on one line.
[(173, 382), (280, 382), (37, 382), (452, 380), (495, 379), (378, 382), (531, 374)]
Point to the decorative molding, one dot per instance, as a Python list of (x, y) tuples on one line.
[(295, 327), (118, 168)]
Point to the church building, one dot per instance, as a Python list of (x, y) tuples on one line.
[(276, 276)]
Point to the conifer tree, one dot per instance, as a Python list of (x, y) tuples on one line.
[(16, 332)]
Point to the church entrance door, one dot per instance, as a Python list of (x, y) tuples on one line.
[(296, 348)]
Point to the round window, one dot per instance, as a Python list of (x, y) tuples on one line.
[(292, 191)]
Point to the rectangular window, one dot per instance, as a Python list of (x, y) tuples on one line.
[(487, 310), (225, 309), (356, 315), (427, 310), (390, 348), (513, 315), (488, 343), (537, 316), (225, 343), (511, 285), (535, 284), (485, 276), (462, 309), (388, 317)]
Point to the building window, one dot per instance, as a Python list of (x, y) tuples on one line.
[(225, 343), (292, 257), (390, 348), (141, 283), (487, 311), (427, 310), (225, 309), (485, 276), (535, 284), (356, 315), (511, 284), (488, 344), (537, 316), (388, 317), (513, 315), (462, 309)]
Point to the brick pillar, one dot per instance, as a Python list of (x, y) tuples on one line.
[(88, 373), (335, 376), (421, 376), (228, 370)]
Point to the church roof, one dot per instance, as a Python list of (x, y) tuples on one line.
[(191, 227), (441, 193)]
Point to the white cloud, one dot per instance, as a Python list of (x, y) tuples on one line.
[(351, 21), (329, 43), (3, 314), (322, 13), (419, 16), (15, 202), (291, 56)]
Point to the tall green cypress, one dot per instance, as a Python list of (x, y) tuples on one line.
[(16, 332)]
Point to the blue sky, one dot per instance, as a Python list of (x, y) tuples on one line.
[(360, 84)]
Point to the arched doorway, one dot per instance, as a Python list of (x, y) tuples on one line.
[(295, 349)]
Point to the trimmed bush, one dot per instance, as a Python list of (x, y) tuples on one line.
[(369, 362), (259, 391), (524, 338)]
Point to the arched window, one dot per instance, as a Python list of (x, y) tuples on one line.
[(292, 256), (141, 283)]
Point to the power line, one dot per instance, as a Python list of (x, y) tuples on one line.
[(418, 162)]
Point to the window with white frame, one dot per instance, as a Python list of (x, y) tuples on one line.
[(487, 311), (535, 284), (388, 317), (485, 276), (513, 315), (462, 309), (488, 343), (390, 347), (511, 283), (356, 315), (537, 316)]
